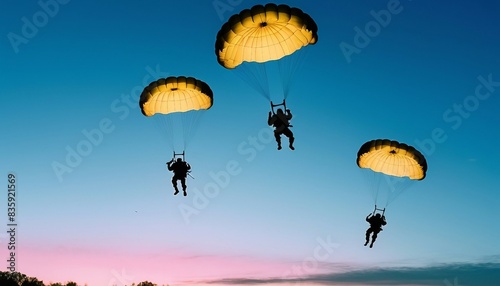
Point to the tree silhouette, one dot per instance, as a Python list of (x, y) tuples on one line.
[(146, 283), (6, 280), (11, 278), (19, 279), (31, 281)]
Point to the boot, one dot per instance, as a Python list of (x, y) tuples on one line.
[(278, 140), (175, 188)]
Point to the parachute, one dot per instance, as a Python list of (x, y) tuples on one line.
[(396, 164), (392, 158), (261, 35), (264, 33), (175, 94), (177, 103)]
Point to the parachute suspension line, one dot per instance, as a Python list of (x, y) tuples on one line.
[(185, 129), (163, 124), (186, 123), (288, 67), (175, 127), (372, 180), (166, 126), (262, 72), (255, 75), (170, 126), (191, 124), (405, 183), (180, 136), (385, 188), (376, 186), (178, 129)]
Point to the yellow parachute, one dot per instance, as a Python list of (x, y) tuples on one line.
[(256, 39), (392, 158), (176, 104), (175, 94), (264, 33), (391, 168)]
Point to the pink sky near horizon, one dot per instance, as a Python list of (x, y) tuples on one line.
[(102, 267)]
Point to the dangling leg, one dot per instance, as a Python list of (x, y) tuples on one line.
[(374, 237), (277, 135), (291, 143), (174, 183), (288, 133), (368, 231), (184, 187)]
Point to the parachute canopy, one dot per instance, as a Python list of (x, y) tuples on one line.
[(392, 158), (175, 94), (264, 33)]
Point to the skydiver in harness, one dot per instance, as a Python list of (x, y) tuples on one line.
[(181, 170), (281, 124), (376, 222)]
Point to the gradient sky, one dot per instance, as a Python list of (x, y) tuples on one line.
[(428, 76)]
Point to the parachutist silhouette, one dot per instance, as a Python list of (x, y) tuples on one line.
[(180, 169), (281, 124), (376, 223)]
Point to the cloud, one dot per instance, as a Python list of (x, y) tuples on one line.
[(455, 274)]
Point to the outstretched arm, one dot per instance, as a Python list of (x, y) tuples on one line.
[(368, 216)]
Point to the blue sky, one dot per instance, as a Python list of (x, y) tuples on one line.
[(72, 71)]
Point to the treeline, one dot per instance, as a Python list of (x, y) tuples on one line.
[(19, 279)]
